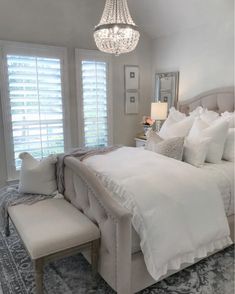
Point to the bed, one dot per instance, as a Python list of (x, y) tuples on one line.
[(122, 263)]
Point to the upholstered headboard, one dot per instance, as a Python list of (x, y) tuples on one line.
[(219, 100)]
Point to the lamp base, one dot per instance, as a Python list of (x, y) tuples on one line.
[(158, 125)]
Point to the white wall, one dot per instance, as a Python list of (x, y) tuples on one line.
[(70, 24), (204, 56), (125, 126)]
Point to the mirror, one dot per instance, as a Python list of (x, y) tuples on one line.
[(166, 88)]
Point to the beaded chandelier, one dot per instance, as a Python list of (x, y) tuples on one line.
[(116, 32)]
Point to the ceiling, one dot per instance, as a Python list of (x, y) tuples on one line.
[(164, 17), (72, 21)]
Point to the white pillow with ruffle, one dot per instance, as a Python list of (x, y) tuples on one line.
[(216, 131), (37, 177), (176, 125), (229, 147), (229, 117), (204, 114)]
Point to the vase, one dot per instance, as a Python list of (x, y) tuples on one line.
[(146, 129)]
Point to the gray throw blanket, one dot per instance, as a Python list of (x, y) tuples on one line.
[(81, 154), (10, 195)]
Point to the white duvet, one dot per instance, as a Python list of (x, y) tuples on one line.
[(177, 212)]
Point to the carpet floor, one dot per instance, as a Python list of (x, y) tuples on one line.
[(72, 275)]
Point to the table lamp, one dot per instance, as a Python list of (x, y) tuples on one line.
[(159, 113)]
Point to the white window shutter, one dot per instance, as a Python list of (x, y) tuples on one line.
[(35, 95), (94, 89)]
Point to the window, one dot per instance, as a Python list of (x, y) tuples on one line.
[(34, 86), (93, 71)]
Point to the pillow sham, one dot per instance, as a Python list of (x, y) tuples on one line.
[(229, 148), (197, 112), (229, 117), (209, 116), (195, 150), (206, 115), (171, 147), (37, 177), (217, 131), (176, 125)]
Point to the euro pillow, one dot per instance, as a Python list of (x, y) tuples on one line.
[(229, 148), (229, 117), (37, 177), (176, 125), (209, 116), (171, 147), (204, 114), (195, 151), (217, 131)]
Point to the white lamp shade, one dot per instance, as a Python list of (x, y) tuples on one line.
[(159, 110)]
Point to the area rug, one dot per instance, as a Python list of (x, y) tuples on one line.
[(72, 275)]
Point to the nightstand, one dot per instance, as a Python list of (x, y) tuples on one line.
[(140, 141)]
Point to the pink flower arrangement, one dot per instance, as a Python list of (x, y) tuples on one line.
[(147, 121)]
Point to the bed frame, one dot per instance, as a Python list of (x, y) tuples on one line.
[(125, 272)]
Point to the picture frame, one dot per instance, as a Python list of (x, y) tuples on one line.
[(167, 88), (132, 102), (132, 77)]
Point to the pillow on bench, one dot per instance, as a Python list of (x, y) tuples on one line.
[(37, 177)]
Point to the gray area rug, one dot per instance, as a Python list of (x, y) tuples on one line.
[(214, 275)]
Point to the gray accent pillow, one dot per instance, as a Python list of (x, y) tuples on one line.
[(170, 147)]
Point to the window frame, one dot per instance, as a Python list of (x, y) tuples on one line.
[(28, 49), (93, 55)]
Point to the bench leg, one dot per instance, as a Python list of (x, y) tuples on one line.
[(95, 257), (95, 245), (38, 271), (7, 226)]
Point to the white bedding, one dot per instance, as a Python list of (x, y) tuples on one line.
[(152, 187), (223, 175)]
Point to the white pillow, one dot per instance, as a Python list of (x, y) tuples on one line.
[(197, 112), (173, 117), (37, 177), (206, 115), (229, 148), (217, 131), (209, 116), (176, 125), (230, 117), (195, 150)]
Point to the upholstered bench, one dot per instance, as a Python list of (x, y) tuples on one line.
[(53, 229)]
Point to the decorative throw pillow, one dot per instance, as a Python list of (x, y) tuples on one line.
[(171, 147), (217, 131), (195, 151), (229, 117), (37, 177), (229, 148)]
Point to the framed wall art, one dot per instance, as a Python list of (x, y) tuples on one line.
[(132, 102), (131, 77)]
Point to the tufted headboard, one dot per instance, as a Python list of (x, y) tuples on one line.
[(219, 100)]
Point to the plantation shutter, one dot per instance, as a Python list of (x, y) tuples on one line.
[(36, 108), (95, 104)]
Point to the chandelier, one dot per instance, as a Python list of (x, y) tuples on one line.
[(116, 32)]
